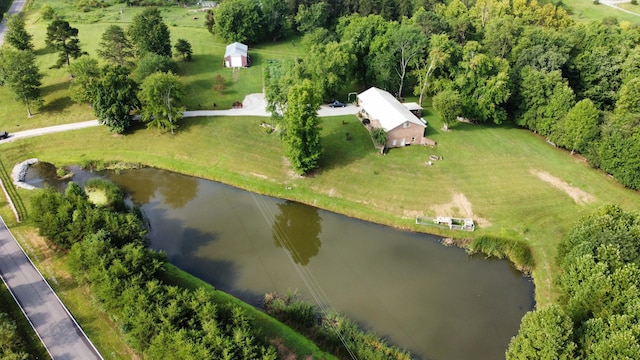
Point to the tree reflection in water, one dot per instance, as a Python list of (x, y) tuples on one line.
[(143, 184), (297, 228)]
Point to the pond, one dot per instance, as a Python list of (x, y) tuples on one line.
[(433, 300)]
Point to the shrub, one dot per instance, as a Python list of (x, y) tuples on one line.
[(47, 12), (516, 251)]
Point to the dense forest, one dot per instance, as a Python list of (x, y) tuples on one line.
[(598, 313)]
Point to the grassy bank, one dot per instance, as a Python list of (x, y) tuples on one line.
[(264, 324), (510, 180)]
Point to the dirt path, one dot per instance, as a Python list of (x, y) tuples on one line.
[(578, 195), (459, 206)]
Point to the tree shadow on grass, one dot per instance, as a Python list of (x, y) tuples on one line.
[(345, 144), (57, 105), (44, 51), (195, 66), (54, 88)]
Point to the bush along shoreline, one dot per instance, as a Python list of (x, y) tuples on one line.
[(331, 331), (517, 252), (163, 320)]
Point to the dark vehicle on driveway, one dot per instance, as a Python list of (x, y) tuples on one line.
[(3, 135), (336, 104)]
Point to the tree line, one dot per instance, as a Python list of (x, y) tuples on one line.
[(139, 76), (106, 249), (490, 61), (597, 314)]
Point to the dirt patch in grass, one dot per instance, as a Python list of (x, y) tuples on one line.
[(459, 206), (578, 195)]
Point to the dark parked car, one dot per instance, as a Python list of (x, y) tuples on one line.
[(336, 104), (3, 135)]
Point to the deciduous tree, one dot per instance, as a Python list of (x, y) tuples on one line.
[(19, 72), (239, 20), (115, 98), (312, 17), (64, 38), (161, 95), (544, 334), (16, 35), (302, 134), (275, 18), (149, 33), (86, 73), (580, 126), (483, 83), (152, 63), (449, 105), (545, 98)]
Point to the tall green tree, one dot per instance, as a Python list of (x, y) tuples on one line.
[(483, 83), (85, 72), (580, 126), (629, 97), (544, 334), (149, 33), (545, 98), (161, 96), (64, 38), (441, 50), (115, 46), (19, 72), (312, 17), (16, 34), (302, 134), (329, 66), (275, 18), (356, 34), (448, 104), (393, 52), (239, 20), (115, 98)]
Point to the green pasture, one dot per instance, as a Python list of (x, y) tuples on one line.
[(492, 166), (586, 10), (198, 74)]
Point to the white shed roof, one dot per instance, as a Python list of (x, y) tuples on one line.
[(412, 106), (236, 49), (382, 106)]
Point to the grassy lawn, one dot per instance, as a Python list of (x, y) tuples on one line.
[(493, 167), (197, 75), (586, 10)]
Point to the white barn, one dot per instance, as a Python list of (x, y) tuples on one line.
[(236, 55)]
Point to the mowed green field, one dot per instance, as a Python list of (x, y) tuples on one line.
[(197, 75), (494, 168), (586, 10)]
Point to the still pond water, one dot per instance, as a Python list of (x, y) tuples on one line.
[(433, 300)]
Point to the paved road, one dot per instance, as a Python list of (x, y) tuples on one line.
[(254, 105), (15, 8), (55, 326)]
